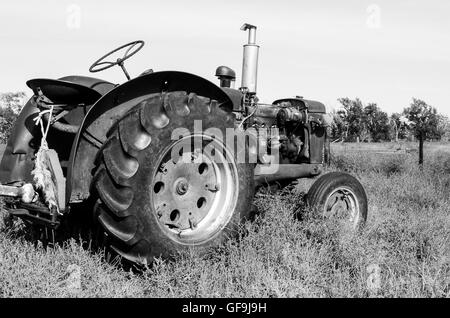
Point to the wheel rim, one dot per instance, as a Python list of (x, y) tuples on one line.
[(194, 190), (343, 205)]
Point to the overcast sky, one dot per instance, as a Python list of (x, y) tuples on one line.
[(380, 51)]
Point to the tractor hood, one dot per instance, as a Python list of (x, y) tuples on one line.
[(311, 105)]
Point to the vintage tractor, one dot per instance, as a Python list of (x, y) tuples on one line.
[(166, 161)]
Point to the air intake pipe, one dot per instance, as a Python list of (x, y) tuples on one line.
[(250, 61), (226, 76)]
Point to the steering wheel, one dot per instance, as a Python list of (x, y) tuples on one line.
[(101, 64)]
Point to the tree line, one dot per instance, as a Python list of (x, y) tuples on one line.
[(10, 106), (368, 123)]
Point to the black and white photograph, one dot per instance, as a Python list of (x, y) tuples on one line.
[(222, 154)]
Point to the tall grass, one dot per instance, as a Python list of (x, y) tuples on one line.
[(407, 238)]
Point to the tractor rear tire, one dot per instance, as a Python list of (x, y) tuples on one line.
[(341, 196), (151, 205)]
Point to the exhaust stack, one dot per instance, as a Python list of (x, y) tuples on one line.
[(250, 62)]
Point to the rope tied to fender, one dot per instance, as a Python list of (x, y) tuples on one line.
[(44, 128), (42, 174)]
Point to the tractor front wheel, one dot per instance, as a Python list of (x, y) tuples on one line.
[(339, 196)]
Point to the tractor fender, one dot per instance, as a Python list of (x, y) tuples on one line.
[(17, 161), (113, 106), (16, 164)]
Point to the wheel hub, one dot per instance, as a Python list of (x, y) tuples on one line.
[(182, 186), (194, 194), (342, 204), (187, 200)]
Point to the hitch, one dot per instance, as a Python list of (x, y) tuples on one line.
[(25, 193), (28, 207)]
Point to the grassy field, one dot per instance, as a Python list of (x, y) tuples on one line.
[(404, 251)]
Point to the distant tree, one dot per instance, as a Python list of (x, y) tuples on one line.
[(13, 101), (376, 122), (338, 126), (399, 126), (443, 128), (354, 117), (423, 121), (364, 123), (10, 106)]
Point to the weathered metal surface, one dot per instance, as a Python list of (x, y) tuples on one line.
[(250, 60), (317, 144), (26, 192), (99, 85), (311, 105), (226, 76), (327, 148), (63, 92), (287, 172), (16, 164), (36, 218), (10, 191), (235, 96)]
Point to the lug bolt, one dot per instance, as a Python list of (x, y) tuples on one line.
[(163, 168), (212, 187), (159, 211), (192, 223), (182, 187)]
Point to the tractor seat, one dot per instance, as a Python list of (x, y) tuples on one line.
[(64, 93)]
